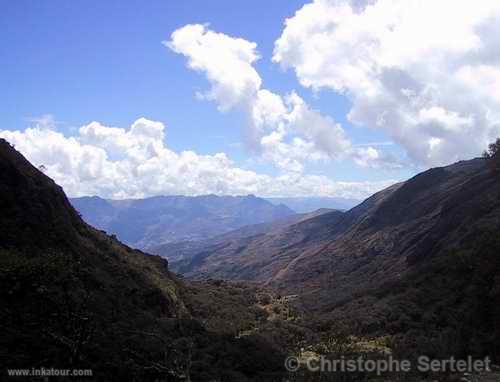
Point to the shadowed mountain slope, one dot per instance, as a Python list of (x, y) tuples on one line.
[(398, 228), (73, 297), (418, 260), (363, 248)]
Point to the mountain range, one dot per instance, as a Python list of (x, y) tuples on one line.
[(149, 222), (415, 268), (421, 254), (394, 229)]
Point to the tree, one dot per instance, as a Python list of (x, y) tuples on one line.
[(493, 155), (493, 149)]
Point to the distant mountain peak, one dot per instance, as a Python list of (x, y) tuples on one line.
[(149, 222), (302, 204)]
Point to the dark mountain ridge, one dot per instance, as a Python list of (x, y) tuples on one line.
[(400, 224), (419, 254), (72, 297)]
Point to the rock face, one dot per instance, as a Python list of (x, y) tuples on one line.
[(146, 223)]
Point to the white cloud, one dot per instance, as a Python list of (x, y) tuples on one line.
[(133, 163), (426, 72), (284, 130), (226, 61)]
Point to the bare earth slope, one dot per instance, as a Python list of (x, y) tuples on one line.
[(180, 253), (253, 257), (372, 244)]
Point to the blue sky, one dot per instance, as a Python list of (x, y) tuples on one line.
[(83, 61), (103, 60)]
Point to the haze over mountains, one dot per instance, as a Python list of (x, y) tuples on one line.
[(145, 223), (151, 222)]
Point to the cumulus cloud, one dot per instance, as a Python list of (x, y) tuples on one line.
[(226, 61), (425, 72), (283, 129), (134, 162)]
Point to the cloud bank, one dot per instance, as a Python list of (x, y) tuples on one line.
[(425, 72), (119, 163)]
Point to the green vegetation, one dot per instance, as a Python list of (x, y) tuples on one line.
[(65, 312)]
